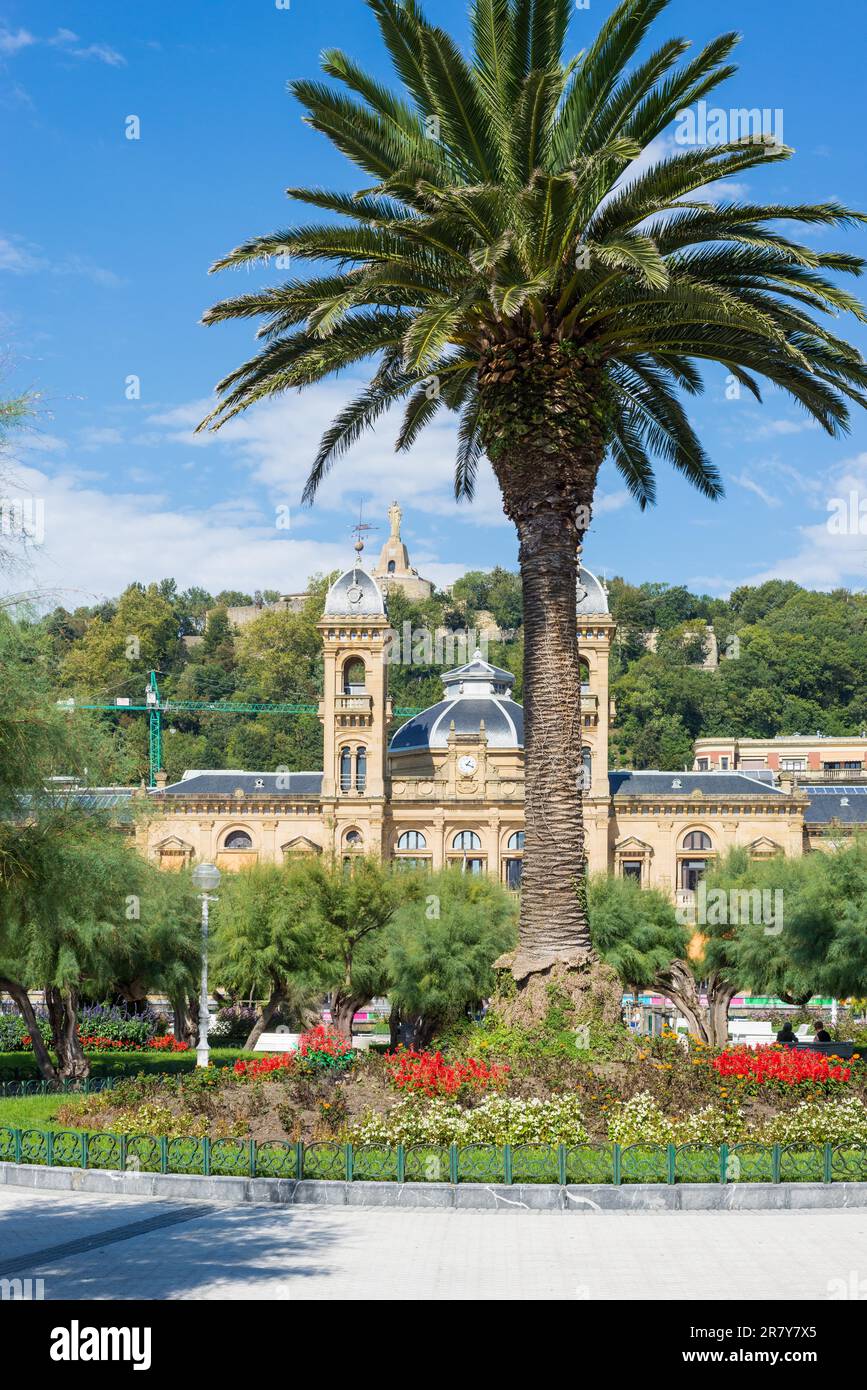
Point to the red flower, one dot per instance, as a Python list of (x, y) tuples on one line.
[(262, 1066), (429, 1073), (168, 1043), (787, 1066)]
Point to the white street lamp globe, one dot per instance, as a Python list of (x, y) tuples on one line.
[(206, 876)]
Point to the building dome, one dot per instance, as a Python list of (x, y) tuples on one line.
[(592, 596), (355, 594), (475, 694)]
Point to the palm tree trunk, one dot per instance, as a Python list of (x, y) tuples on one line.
[(553, 923), (542, 424)]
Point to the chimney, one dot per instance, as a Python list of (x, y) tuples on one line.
[(161, 779)]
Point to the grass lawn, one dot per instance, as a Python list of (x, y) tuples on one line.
[(32, 1112)]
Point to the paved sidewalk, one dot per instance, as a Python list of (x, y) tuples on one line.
[(330, 1253)]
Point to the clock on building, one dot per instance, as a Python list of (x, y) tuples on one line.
[(467, 766)]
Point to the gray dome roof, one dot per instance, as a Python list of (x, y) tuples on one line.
[(355, 594), (592, 597), (473, 693), (504, 724)]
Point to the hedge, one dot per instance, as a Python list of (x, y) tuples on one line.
[(21, 1066)]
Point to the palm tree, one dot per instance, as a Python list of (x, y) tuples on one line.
[(524, 255)]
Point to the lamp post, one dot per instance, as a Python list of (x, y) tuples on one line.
[(205, 877)]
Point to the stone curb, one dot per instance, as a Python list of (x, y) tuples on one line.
[(436, 1196)]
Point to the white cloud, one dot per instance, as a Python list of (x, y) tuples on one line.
[(26, 258), (103, 53), (278, 439), (62, 40), (775, 428), (825, 559), (96, 543), (745, 481), (13, 43)]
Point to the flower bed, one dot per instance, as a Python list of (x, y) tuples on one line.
[(784, 1065), (430, 1074), (322, 1049)]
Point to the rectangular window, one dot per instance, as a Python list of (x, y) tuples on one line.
[(702, 764), (632, 869), (724, 762), (792, 764), (514, 870)]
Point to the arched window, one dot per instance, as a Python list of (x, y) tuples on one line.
[(584, 670), (696, 840), (238, 839), (412, 839), (391, 567), (586, 769), (516, 841), (353, 839), (466, 839), (360, 769), (345, 770), (354, 676)]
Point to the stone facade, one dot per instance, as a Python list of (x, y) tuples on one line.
[(448, 787)]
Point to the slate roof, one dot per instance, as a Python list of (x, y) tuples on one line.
[(712, 784), (265, 784), (848, 805), (478, 669)]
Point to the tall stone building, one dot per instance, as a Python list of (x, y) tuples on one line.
[(448, 787)]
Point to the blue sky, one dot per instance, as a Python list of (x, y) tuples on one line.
[(104, 248)]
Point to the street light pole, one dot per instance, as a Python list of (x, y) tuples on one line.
[(204, 876)]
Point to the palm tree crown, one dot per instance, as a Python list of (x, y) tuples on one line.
[(500, 209), (524, 254)]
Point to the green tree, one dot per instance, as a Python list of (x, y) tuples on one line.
[(634, 930), (498, 264), (441, 949), (61, 911), (355, 904), (266, 939), (116, 653)]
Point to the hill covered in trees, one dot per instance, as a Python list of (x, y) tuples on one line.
[(793, 661)]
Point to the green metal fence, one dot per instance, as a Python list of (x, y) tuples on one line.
[(487, 1163), (14, 1090)]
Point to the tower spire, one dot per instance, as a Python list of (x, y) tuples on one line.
[(360, 530)]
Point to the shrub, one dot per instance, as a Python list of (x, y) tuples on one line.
[(325, 1049), (233, 1024), (14, 1034), (839, 1121), (641, 1120), (496, 1119)]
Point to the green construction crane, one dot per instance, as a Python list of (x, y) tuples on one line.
[(155, 708)]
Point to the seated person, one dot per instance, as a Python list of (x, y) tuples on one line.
[(786, 1034), (821, 1033)]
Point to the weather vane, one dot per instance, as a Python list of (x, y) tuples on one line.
[(360, 530)]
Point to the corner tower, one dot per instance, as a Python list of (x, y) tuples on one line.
[(355, 709), (595, 634)]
